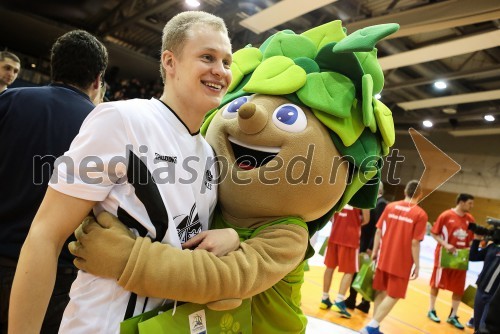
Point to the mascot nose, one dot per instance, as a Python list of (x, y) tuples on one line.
[(251, 118)]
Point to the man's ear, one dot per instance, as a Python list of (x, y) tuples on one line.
[(167, 60), (94, 88), (97, 82)]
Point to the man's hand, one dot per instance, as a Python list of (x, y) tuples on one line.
[(103, 247), (450, 248), (219, 242), (414, 273)]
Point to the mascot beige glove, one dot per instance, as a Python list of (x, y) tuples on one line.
[(119, 241)]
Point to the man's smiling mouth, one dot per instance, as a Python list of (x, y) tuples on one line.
[(248, 156), (212, 85)]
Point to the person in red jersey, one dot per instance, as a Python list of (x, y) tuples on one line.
[(396, 249), (451, 232), (342, 252)]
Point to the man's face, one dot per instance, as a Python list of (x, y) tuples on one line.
[(201, 69), (9, 69), (467, 205)]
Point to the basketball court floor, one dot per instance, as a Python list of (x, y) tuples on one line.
[(409, 316)]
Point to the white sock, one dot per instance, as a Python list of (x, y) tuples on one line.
[(340, 298), (326, 295), (433, 303), (373, 323)]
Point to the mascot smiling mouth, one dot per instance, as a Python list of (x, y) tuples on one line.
[(248, 156)]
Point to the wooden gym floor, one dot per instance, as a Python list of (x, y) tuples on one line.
[(409, 316)]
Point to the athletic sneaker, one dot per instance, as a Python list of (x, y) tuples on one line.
[(470, 323), (364, 306), (325, 304), (350, 302), (371, 330), (454, 321), (433, 316), (342, 309)]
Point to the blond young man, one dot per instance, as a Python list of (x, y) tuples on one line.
[(131, 144)]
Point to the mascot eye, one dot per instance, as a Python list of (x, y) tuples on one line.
[(290, 118), (231, 110)]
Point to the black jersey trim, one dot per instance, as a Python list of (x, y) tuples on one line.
[(148, 193), (180, 120)]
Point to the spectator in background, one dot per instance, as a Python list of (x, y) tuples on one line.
[(342, 252), (10, 65), (451, 232), (396, 249), (37, 124), (489, 278), (366, 246), (491, 318)]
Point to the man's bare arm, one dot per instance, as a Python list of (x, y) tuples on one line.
[(37, 266), (415, 254), (449, 247)]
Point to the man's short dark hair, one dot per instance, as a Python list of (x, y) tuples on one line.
[(464, 197), (10, 55), (78, 58), (411, 188)]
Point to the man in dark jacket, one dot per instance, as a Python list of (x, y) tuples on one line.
[(487, 282), (37, 125)]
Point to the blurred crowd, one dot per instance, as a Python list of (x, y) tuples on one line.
[(125, 89)]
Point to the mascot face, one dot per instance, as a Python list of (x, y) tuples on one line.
[(276, 159)]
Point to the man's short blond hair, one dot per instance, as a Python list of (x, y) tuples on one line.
[(175, 32)]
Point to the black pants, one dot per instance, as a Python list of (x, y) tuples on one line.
[(57, 304)]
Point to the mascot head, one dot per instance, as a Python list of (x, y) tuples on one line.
[(299, 132)]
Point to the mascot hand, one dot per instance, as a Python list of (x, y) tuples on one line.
[(224, 304), (103, 247)]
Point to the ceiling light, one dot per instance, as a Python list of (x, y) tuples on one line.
[(427, 124), (192, 3), (440, 84), (449, 111), (152, 19), (489, 118), (378, 96)]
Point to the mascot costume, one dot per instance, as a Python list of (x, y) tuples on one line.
[(298, 136)]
